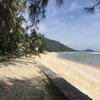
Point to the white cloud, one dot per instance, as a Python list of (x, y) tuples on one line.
[(73, 6), (75, 30)]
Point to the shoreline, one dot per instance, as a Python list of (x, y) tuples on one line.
[(83, 77), (79, 62)]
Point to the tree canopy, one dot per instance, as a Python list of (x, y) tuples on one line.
[(12, 34)]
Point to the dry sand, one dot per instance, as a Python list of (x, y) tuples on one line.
[(21, 79), (83, 77)]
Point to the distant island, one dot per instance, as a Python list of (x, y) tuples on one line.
[(87, 50), (56, 46)]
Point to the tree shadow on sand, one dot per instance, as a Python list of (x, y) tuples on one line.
[(14, 62), (20, 90), (27, 89)]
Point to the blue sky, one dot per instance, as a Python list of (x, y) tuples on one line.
[(72, 26)]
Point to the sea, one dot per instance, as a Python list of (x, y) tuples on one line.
[(89, 58)]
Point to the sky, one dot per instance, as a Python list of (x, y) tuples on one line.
[(71, 25)]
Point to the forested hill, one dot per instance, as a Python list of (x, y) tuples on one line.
[(56, 46)]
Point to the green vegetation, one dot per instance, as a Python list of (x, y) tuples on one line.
[(56, 46), (14, 39), (33, 41)]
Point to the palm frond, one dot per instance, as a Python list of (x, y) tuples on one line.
[(44, 3), (37, 9), (90, 10)]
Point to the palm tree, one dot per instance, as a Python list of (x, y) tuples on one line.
[(11, 18), (9, 21)]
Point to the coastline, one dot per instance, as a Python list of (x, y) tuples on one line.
[(87, 61), (83, 77)]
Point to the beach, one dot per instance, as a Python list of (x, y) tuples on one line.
[(82, 76), (22, 79)]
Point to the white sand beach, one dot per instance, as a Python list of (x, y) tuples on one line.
[(83, 77), (21, 79)]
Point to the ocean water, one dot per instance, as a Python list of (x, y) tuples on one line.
[(90, 58)]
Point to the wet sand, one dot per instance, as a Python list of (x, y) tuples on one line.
[(83, 77)]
